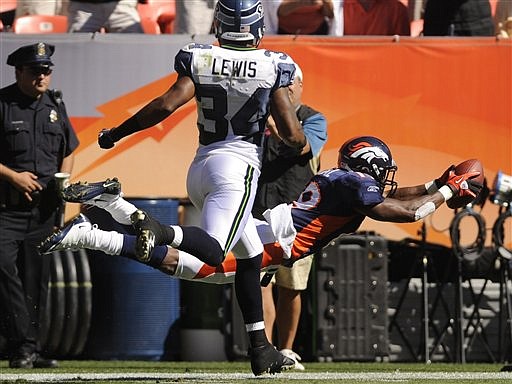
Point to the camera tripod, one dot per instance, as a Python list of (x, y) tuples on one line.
[(499, 268), (505, 258)]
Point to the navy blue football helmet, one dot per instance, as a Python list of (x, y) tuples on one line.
[(239, 23), (370, 155)]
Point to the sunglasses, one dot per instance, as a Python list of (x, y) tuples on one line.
[(38, 71)]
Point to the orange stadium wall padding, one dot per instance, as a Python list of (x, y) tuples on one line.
[(435, 101)]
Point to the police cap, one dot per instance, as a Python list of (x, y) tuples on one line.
[(34, 54)]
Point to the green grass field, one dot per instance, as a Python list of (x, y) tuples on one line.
[(239, 372)]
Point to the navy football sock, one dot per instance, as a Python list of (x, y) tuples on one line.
[(248, 294), (128, 250), (199, 243)]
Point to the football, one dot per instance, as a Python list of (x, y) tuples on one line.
[(471, 165)]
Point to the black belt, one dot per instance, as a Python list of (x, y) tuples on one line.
[(12, 199), (20, 203)]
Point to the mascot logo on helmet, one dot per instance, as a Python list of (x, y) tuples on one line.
[(367, 152)]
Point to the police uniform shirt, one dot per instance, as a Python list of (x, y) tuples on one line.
[(35, 134)]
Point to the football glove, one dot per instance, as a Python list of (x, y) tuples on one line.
[(462, 185), (443, 179), (105, 139)]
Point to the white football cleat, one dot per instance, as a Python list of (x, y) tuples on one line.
[(295, 357), (70, 237)]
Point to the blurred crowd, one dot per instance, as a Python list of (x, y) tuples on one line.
[(296, 17)]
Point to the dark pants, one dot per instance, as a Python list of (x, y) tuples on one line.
[(458, 18), (24, 276)]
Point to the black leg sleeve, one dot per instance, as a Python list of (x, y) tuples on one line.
[(200, 244), (248, 290)]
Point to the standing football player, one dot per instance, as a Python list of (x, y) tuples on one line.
[(235, 86)]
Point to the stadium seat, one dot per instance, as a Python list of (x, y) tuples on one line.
[(40, 24), (161, 11)]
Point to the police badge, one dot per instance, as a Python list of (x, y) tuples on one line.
[(41, 49), (53, 116)]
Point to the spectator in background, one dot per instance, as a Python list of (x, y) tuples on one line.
[(194, 17), (36, 142), (503, 18), (305, 17), (458, 18), (284, 175), (39, 7), (270, 9), (7, 14), (375, 17), (97, 15), (334, 23)]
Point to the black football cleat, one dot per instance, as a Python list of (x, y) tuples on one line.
[(150, 233), (32, 360), (267, 359), (91, 193)]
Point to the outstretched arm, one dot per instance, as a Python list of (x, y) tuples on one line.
[(404, 211), (407, 193), (411, 207), (288, 126), (152, 113)]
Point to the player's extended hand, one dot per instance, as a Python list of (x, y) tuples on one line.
[(105, 139), (443, 179), (463, 185)]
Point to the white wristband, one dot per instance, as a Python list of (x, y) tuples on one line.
[(446, 192), (431, 187)]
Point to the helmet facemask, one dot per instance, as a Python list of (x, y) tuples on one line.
[(388, 180)]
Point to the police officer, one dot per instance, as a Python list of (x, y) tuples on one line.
[(36, 142)]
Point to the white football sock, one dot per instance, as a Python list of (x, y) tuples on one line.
[(110, 242), (188, 266), (121, 209)]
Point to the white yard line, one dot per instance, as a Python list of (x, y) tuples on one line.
[(376, 376)]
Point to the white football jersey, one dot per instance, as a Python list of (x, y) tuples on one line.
[(233, 90)]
